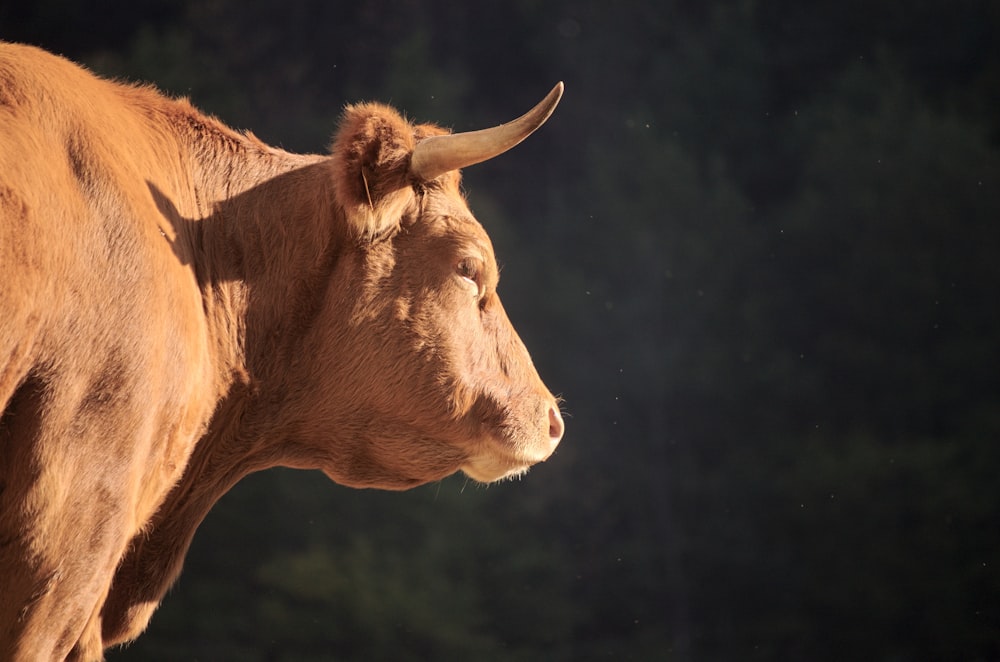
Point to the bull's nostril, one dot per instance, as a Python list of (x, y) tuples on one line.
[(556, 426)]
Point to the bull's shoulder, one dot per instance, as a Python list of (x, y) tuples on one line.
[(24, 71), (33, 80), (86, 165), (52, 102)]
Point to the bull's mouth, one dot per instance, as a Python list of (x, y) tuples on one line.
[(510, 447)]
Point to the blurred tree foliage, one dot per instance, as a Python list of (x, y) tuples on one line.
[(755, 250)]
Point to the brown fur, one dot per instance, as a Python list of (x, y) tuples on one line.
[(181, 305)]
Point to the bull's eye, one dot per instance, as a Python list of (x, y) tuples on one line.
[(469, 269)]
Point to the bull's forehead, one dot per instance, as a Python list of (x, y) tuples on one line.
[(447, 215)]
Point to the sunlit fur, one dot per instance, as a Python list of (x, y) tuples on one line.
[(182, 305)]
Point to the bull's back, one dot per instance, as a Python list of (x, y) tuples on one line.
[(103, 350)]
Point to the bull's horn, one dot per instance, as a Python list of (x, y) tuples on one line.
[(440, 154)]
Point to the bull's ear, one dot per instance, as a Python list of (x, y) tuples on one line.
[(370, 160)]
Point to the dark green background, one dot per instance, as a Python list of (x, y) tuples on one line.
[(755, 250)]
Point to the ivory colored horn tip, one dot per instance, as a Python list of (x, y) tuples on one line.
[(557, 91)]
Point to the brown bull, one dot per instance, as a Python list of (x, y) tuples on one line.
[(181, 305)]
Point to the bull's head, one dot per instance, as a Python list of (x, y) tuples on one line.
[(430, 376)]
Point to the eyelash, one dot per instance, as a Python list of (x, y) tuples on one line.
[(469, 268)]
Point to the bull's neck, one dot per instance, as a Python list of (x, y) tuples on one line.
[(264, 243), (258, 228)]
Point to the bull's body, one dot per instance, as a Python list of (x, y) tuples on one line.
[(181, 305)]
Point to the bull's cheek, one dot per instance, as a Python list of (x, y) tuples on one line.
[(423, 453)]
